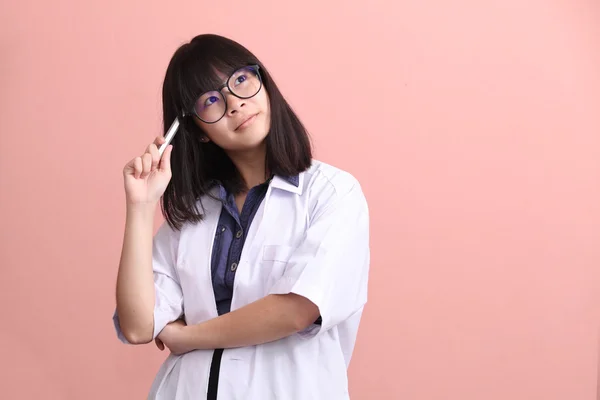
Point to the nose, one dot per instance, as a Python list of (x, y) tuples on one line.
[(234, 103)]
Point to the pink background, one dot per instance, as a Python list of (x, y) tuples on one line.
[(474, 127)]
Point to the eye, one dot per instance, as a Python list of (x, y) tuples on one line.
[(240, 79), (211, 100)]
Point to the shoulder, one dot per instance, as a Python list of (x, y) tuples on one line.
[(323, 177), (326, 185)]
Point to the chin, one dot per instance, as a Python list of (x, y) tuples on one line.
[(255, 134), (254, 141), (249, 140)]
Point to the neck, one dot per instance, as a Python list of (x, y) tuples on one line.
[(251, 165)]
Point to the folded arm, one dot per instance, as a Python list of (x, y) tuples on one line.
[(268, 319)]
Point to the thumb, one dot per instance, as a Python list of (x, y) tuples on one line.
[(165, 161)]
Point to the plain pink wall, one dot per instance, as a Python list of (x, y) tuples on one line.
[(474, 127)]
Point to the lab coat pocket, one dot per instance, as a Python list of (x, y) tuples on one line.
[(274, 261)]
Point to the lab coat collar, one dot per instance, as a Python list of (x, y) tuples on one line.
[(292, 184)]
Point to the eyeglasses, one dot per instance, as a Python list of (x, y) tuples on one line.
[(244, 83)]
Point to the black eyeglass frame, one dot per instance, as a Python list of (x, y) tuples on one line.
[(256, 67)]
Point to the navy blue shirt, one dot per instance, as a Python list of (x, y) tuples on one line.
[(230, 238)]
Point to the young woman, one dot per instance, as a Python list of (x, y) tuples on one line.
[(257, 280)]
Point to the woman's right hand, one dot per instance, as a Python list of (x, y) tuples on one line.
[(147, 176)]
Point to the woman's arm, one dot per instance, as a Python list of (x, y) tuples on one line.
[(135, 282), (145, 179), (268, 319)]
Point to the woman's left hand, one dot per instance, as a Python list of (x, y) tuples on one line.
[(173, 336)]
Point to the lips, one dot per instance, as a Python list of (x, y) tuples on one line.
[(246, 122)]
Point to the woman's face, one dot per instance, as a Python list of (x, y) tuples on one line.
[(246, 122)]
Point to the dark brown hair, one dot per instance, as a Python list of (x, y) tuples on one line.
[(196, 165)]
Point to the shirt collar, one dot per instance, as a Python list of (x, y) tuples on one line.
[(293, 180), (289, 183)]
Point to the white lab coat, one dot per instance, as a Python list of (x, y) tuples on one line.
[(312, 240)]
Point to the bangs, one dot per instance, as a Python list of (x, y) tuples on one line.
[(201, 69)]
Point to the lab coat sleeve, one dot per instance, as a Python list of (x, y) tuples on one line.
[(168, 306), (330, 266)]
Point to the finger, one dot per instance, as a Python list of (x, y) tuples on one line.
[(159, 140), (129, 168), (153, 150), (147, 164), (137, 167), (165, 162)]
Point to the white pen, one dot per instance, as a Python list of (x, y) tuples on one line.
[(169, 136)]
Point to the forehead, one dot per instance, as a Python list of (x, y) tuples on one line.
[(200, 77), (217, 78), (221, 76), (213, 76)]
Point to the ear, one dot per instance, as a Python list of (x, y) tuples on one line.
[(204, 139)]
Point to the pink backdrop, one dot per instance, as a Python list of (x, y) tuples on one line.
[(474, 127)]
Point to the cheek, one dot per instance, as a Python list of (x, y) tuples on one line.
[(268, 113), (213, 130), (265, 100)]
